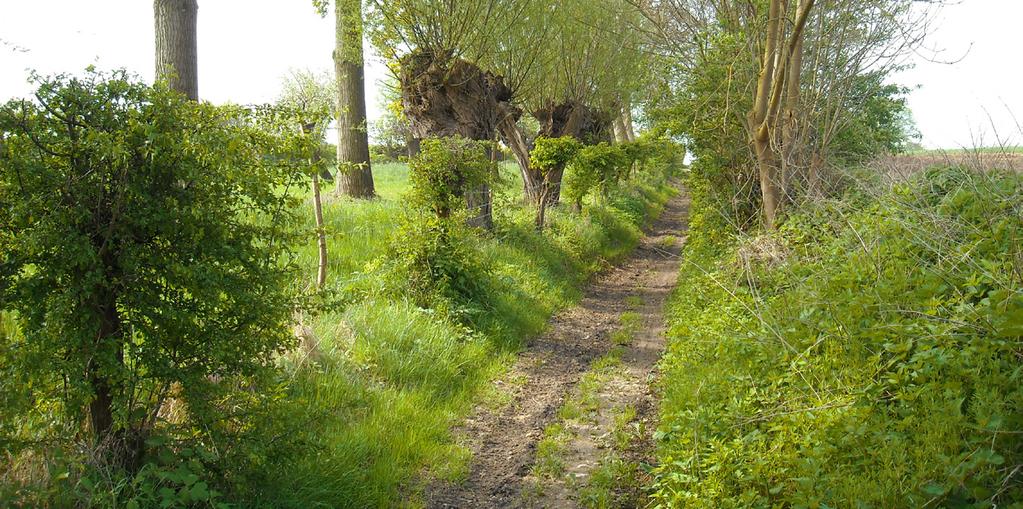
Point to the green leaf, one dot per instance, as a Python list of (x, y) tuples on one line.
[(200, 492)]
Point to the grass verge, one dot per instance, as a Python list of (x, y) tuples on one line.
[(865, 355), (388, 380)]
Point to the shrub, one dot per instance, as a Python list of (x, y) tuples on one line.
[(434, 262), (445, 170), (549, 157), (432, 259), (144, 256), (595, 167), (550, 154)]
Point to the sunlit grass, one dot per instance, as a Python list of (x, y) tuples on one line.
[(392, 379), (550, 452), (368, 403)]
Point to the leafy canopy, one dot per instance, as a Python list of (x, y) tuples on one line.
[(551, 153), (595, 167)]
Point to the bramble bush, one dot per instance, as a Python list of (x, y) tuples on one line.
[(866, 355)]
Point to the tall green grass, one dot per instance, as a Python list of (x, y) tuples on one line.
[(368, 416)]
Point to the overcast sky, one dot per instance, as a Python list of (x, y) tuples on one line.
[(247, 46)]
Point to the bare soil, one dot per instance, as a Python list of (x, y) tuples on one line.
[(504, 441)]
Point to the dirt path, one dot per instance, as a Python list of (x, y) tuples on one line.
[(504, 471)]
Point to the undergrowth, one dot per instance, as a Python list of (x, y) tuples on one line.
[(866, 355)]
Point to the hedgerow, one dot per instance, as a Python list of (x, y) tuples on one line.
[(866, 355)]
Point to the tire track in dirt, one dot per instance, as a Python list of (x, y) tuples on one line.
[(503, 441)]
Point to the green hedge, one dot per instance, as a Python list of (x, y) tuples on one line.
[(867, 355)]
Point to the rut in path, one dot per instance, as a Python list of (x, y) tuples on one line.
[(504, 441)]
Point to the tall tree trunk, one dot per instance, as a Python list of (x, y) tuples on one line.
[(621, 135), (790, 128), (176, 46), (768, 173), (630, 131), (354, 176), (763, 118)]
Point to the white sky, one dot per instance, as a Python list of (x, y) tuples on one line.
[(971, 102), (247, 46)]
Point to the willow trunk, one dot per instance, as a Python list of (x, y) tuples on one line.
[(621, 135), (630, 130)]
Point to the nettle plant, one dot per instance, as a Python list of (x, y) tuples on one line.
[(145, 258)]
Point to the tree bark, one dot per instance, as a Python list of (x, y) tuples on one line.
[(769, 188), (443, 96), (790, 128), (354, 176), (630, 131), (541, 203), (321, 235), (412, 145), (513, 137), (101, 408), (763, 118), (480, 203), (621, 136), (118, 446), (176, 45), (575, 119)]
